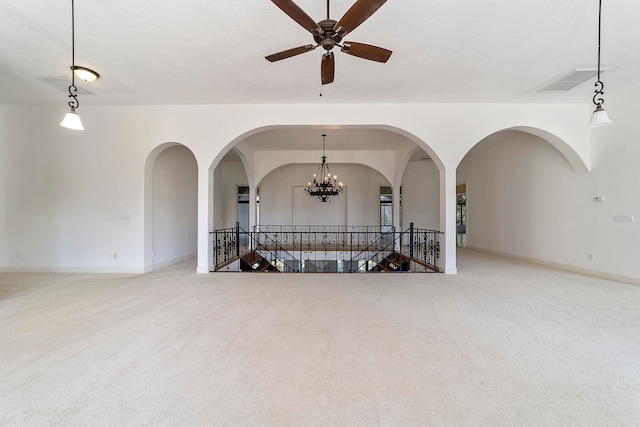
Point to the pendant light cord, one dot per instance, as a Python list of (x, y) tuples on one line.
[(599, 32), (597, 98), (73, 90), (73, 44)]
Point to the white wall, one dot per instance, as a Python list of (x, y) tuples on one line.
[(175, 206), (229, 176), (525, 200), (69, 202), (361, 197), (64, 193), (421, 195), (357, 206)]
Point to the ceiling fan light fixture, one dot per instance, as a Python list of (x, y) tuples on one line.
[(85, 74)]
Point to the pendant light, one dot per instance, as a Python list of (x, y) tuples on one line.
[(324, 185), (599, 116), (71, 119)]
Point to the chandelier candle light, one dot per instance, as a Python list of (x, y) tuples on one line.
[(599, 116), (324, 185)]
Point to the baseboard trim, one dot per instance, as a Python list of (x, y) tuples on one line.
[(97, 270), (74, 270), (560, 266), (173, 261)]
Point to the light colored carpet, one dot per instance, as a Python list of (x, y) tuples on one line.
[(501, 343)]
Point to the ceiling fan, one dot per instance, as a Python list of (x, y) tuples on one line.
[(328, 33)]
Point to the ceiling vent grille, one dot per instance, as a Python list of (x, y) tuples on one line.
[(572, 79), (62, 84)]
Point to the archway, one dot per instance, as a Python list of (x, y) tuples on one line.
[(171, 205), (381, 150), (230, 179), (385, 149), (520, 198)]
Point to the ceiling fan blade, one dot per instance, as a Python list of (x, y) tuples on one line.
[(290, 52), (327, 68), (367, 51), (356, 15), (297, 14)]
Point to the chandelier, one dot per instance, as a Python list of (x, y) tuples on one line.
[(324, 185)]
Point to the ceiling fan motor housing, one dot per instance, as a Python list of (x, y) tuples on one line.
[(329, 38)]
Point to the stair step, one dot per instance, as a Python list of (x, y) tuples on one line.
[(257, 262), (393, 262)]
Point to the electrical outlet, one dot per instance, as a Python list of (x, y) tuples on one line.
[(623, 218), (114, 255), (590, 257), (599, 198)]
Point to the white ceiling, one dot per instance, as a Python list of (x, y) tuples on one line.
[(337, 139), (212, 52)]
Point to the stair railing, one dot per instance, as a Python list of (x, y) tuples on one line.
[(254, 238), (296, 251)]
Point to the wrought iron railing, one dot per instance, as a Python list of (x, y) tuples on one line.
[(325, 249), (225, 246)]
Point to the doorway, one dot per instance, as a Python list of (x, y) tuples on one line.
[(243, 213), (461, 215)]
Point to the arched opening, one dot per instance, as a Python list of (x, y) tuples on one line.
[(171, 206), (520, 196), (276, 163), (385, 149), (420, 192), (231, 192)]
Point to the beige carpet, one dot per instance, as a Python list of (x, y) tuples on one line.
[(501, 343)]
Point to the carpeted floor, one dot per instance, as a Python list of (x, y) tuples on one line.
[(501, 343)]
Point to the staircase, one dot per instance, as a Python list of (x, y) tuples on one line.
[(393, 262), (253, 261)]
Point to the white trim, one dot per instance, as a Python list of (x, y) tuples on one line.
[(175, 261), (84, 270), (98, 270)]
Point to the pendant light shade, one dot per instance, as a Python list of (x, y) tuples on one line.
[(84, 73), (599, 118), (72, 121)]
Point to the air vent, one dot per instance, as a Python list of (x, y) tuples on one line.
[(572, 79), (62, 84)]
